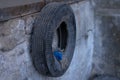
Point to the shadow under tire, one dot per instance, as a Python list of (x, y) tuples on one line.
[(54, 29)]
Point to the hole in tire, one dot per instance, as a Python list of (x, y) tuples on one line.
[(60, 38)]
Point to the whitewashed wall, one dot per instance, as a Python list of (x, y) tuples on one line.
[(15, 60)]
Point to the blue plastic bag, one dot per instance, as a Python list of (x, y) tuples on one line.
[(58, 55)]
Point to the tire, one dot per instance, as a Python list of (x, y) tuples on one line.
[(54, 19)]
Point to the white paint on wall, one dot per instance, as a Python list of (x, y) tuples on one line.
[(16, 63)]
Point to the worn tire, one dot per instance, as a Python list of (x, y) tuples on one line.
[(51, 17)]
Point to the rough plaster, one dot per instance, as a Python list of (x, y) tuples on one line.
[(15, 59), (106, 56), (97, 53)]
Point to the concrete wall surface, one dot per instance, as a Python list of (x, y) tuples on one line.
[(106, 56), (97, 52), (15, 60)]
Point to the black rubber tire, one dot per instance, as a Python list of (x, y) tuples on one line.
[(49, 19)]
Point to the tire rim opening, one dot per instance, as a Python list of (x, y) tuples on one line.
[(60, 38)]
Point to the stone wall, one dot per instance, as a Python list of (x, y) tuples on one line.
[(97, 51), (106, 58), (15, 59)]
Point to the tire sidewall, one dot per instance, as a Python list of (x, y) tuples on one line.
[(64, 14)]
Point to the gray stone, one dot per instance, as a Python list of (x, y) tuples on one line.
[(15, 59), (106, 78), (97, 49), (12, 33), (107, 42)]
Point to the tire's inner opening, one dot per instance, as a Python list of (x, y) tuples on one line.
[(60, 37)]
